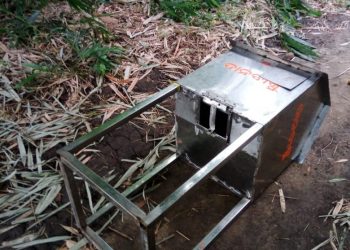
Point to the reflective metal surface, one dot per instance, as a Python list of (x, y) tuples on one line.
[(285, 136)]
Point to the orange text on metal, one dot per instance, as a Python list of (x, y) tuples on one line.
[(292, 133), (247, 72)]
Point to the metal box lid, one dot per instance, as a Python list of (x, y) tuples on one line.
[(253, 86)]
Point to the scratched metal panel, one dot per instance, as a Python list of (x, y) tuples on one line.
[(239, 82)]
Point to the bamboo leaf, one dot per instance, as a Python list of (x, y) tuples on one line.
[(13, 212), (72, 230), (335, 180), (8, 228), (49, 214), (302, 48), (150, 162), (38, 160), (43, 241), (48, 198), (127, 174), (30, 162), (22, 149), (342, 160), (89, 197), (282, 200), (8, 177), (23, 239)]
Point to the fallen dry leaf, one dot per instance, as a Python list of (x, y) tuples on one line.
[(338, 207), (342, 160), (282, 200)]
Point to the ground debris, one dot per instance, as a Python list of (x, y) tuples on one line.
[(282, 200), (340, 214)]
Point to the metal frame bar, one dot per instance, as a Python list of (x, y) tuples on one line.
[(120, 119), (148, 237), (69, 160), (102, 186), (130, 190), (205, 172), (73, 195), (159, 167), (98, 242), (70, 163), (227, 220)]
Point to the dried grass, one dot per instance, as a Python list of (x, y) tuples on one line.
[(340, 214)]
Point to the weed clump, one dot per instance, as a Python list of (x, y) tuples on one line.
[(85, 50), (287, 14), (195, 12)]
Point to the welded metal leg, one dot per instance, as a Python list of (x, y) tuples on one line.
[(98, 242), (205, 172), (237, 209), (74, 196), (136, 186), (148, 238)]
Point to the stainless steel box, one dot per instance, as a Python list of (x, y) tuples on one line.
[(225, 97)]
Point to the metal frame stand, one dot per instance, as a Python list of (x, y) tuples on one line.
[(69, 164)]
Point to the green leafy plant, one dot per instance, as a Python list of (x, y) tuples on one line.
[(38, 74), (88, 50), (95, 27), (85, 5), (287, 13), (101, 57), (298, 46), (185, 11), (288, 10), (19, 18)]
